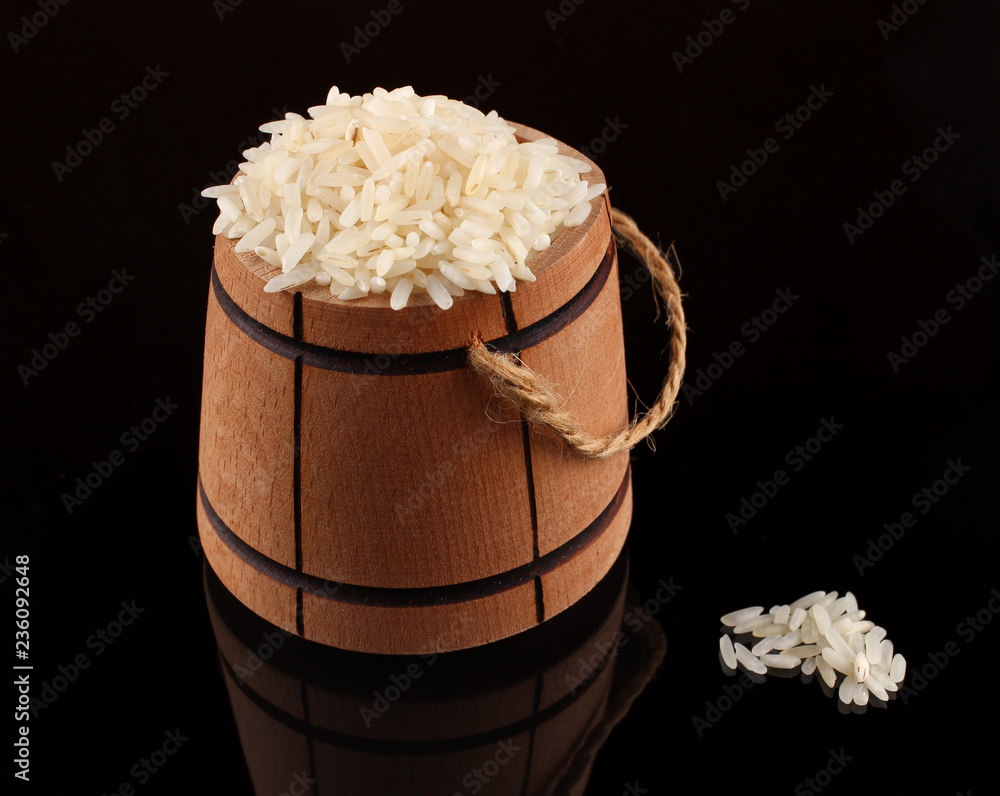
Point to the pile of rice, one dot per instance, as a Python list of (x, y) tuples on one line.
[(391, 192), (823, 633)]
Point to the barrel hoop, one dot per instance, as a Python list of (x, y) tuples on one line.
[(420, 596), (325, 358)]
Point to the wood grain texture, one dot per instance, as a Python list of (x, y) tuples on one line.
[(585, 363), (430, 487), (425, 626), (347, 442), (263, 595), (568, 583), (246, 446)]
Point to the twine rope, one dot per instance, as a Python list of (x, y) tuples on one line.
[(542, 407)]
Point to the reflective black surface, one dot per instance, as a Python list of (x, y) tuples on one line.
[(842, 363), (524, 715)]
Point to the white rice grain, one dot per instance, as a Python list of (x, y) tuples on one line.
[(746, 625), (256, 236), (749, 660), (795, 620), (296, 251), (876, 688), (789, 640), (821, 618), (898, 669), (808, 600), (401, 293), (848, 687), (765, 645), (838, 661), (287, 280), (439, 293), (826, 671), (727, 650), (780, 661)]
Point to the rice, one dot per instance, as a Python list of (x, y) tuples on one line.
[(780, 661), (735, 618), (391, 192), (749, 660), (789, 640), (728, 652), (823, 633), (765, 645)]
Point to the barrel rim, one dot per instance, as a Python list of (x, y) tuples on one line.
[(405, 364)]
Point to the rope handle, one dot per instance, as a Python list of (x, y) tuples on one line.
[(538, 402)]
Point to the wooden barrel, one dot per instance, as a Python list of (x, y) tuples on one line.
[(527, 713), (361, 486)]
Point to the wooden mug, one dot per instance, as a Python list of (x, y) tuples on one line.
[(360, 486)]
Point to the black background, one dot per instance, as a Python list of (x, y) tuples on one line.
[(676, 133)]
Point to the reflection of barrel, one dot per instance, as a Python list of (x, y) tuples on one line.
[(524, 713), (362, 487)]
